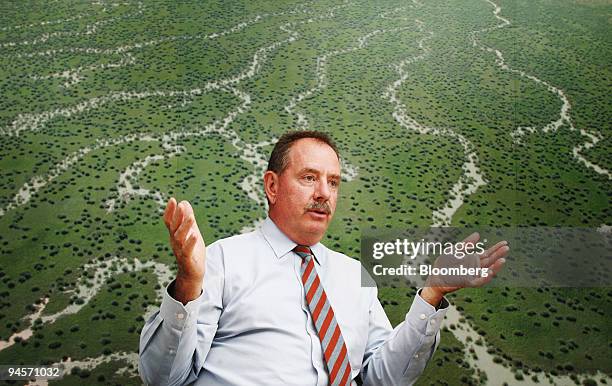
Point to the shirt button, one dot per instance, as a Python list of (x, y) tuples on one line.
[(180, 316), (172, 351), (422, 316), (416, 356)]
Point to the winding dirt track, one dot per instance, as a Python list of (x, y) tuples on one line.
[(470, 181)]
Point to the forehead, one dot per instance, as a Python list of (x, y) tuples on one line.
[(313, 154)]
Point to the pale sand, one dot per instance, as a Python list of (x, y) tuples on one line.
[(564, 115), (90, 29), (472, 178), (496, 373), (87, 288)]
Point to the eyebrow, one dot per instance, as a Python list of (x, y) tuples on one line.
[(314, 171)]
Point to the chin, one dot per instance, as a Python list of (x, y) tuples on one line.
[(315, 227), (316, 231)]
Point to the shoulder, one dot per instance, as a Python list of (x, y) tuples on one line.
[(223, 255), (242, 243), (340, 260)]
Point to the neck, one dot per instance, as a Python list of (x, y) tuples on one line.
[(300, 239)]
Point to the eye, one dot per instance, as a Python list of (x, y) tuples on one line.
[(334, 183), (309, 178)]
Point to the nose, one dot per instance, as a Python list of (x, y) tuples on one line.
[(322, 191)]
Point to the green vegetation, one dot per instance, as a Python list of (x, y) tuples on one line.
[(109, 109)]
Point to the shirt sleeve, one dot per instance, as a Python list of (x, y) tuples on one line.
[(399, 356), (176, 339)]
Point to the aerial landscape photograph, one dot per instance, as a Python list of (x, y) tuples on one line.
[(479, 114)]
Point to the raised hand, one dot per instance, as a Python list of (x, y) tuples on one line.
[(493, 259), (189, 249)]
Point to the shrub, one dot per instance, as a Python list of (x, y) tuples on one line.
[(54, 345)]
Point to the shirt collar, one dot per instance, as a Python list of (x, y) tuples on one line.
[(281, 244)]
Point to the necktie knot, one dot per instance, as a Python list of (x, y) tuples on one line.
[(303, 251)]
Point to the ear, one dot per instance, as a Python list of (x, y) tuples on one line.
[(271, 181)]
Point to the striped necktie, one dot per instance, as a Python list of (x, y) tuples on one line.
[(332, 343)]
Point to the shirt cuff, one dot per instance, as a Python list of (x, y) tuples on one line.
[(175, 313), (424, 317)]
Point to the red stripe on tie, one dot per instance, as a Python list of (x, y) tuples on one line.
[(336, 368), (339, 360), (319, 307), (313, 289), (326, 324), (302, 249), (347, 373), (332, 343), (306, 274)]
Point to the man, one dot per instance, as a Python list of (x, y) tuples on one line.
[(277, 307)]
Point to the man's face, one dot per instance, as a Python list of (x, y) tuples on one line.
[(306, 191)]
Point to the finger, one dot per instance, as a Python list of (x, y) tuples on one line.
[(468, 243), (187, 209), (190, 245), (473, 238), (495, 247), (169, 212), (178, 217), (492, 272), (494, 256), (484, 256), (495, 268), (188, 212), (181, 232)]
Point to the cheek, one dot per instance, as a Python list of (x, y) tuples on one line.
[(333, 199), (300, 194), (297, 197)]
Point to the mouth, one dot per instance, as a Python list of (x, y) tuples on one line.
[(318, 213)]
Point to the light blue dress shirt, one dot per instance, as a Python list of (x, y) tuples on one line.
[(251, 324)]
